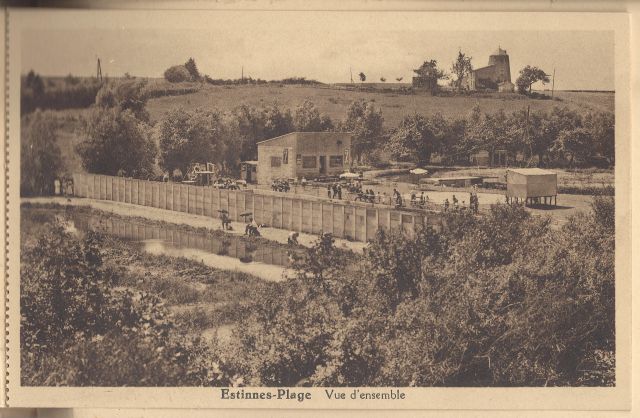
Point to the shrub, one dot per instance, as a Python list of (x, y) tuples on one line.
[(177, 74)]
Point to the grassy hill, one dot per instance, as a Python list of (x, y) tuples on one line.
[(330, 100), (394, 105)]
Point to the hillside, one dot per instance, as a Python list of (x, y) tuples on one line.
[(334, 102)]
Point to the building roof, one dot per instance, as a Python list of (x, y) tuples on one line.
[(532, 171), (500, 51), (297, 133)]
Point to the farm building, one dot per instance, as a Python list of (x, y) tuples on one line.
[(532, 185), (303, 154), (495, 76)]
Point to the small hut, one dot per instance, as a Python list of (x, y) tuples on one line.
[(532, 186)]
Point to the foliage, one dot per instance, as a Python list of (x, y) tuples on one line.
[(115, 142), (129, 94), (413, 140), (365, 122), (461, 68), (191, 66), (307, 118), (40, 157), (363, 77), (70, 94), (188, 137), (430, 73), (499, 300), (528, 77), (76, 330), (177, 74)]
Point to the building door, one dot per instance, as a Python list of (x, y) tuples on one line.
[(323, 164)]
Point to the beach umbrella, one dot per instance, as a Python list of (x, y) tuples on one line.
[(418, 171), (349, 175)]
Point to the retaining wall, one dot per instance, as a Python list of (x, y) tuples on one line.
[(351, 220)]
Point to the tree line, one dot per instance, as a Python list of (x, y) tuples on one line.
[(118, 138), (559, 137)]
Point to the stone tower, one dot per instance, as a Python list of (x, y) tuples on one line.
[(500, 61)]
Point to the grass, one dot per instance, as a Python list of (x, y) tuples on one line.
[(334, 102)]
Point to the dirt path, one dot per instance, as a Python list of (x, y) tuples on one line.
[(197, 221)]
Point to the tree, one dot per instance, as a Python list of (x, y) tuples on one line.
[(601, 128), (199, 136), (413, 140), (191, 66), (363, 77), (277, 121), (40, 157), (558, 120), (177, 74), (128, 94), (575, 142), (461, 68), (399, 79), (528, 76), (365, 122), (429, 74), (307, 118), (114, 141)]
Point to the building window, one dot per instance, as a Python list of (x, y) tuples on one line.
[(309, 162), (276, 161), (285, 156), (335, 161)]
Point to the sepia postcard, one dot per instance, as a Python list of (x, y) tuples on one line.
[(318, 209)]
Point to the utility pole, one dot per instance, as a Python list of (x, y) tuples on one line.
[(99, 71), (351, 73), (242, 74), (553, 81)]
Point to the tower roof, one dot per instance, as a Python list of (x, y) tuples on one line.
[(500, 51)]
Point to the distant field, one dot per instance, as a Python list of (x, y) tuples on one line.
[(395, 106), (332, 101)]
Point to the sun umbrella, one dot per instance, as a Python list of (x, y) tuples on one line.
[(223, 211), (418, 171), (349, 175)]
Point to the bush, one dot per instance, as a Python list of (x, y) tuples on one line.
[(500, 300), (177, 74), (115, 142), (40, 156), (76, 330)]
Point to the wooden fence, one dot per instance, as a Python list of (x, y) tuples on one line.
[(351, 220)]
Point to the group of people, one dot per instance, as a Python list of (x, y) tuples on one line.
[(420, 201), (280, 185), (368, 196), (251, 228), (334, 191), (225, 183)]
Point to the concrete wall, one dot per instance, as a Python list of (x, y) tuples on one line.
[(351, 220), (266, 172)]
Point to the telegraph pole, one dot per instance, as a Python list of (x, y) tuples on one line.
[(351, 73), (553, 81), (99, 71)]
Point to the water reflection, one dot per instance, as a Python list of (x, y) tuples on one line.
[(227, 253)]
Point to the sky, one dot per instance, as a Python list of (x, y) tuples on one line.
[(275, 46)]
